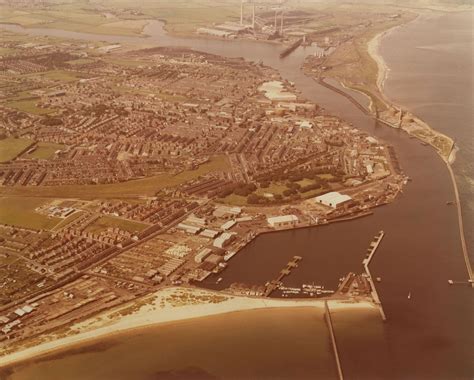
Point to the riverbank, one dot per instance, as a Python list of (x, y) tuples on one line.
[(169, 305)]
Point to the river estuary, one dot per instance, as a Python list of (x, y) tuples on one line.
[(426, 337)]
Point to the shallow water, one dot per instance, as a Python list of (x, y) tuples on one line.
[(246, 345)]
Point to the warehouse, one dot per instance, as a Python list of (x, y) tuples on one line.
[(228, 225), (223, 240), (334, 199), (199, 258), (283, 221)]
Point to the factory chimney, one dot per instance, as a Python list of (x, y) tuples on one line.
[(253, 16), (281, 24)]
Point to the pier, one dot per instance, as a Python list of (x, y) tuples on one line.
[(468, 283), (274, 284), (370, 254), (327, 316), (461, 227), (290, 49), (343, 93)]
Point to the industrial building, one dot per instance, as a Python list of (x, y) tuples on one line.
[(334, 199), (226, 211), (192, 230), (283, 221), (214, 32), (228, 225), (199, 258), (224, 240), (209, 233)]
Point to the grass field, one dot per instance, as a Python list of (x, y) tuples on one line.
[(274, 188), (325, 176), (305, 182), (29, 106), (80, 61), (69, 219), (61, 75), (82, 15), (130, 189), (105, 222), (77, 16), (234, 200), (20, 211), (12, 147), (45, 150)]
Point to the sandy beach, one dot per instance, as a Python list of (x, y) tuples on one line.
[(383, 70), (417, 128), (165, 306)]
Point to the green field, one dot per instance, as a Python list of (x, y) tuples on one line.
[(61, 75), (69, 219), (83, 16), (76, 16), (130, 189), (12, 147), (29, 106), (45, 150), (305, 182), (80, 61), (105, 222), (274, 188), (20, 211), (325, 176), (234, 200)]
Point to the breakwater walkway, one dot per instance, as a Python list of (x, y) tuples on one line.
[(461, 226), (327, 316), (373, 291)]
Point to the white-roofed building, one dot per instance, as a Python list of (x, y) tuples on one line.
[(224, 240), (27, 309), (334, 199), (283, 221), (199, 258), (226, 211), (193, 230), (193, 219), (305, 124), (209, 233), (20, 312), (228, 225)]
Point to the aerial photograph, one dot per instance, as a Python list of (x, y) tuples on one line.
[(236, 189)]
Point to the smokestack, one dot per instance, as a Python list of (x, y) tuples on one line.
[(242, 12), (253, 16), (281, 25)]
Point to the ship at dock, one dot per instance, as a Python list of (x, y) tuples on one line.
[(290, 49)]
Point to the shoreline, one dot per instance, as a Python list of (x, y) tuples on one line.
[(160, 311), (382, 75), (383, 72)]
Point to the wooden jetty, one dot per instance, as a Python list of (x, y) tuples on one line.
[(370, 254), (327, 316), (274, 284)]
